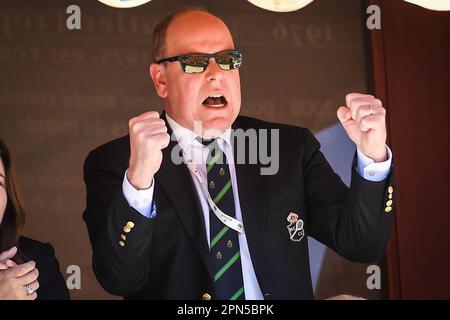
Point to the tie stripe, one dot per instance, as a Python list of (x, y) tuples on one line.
[(216, 200), (213, 161), (237, 294), (227, 266), (219, 236), (222, 192)]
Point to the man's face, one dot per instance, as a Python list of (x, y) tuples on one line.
[(3, 196), (186, 95)]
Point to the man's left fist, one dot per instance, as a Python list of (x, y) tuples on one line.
[(364, 120)]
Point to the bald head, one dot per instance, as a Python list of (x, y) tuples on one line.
[(188, 25)]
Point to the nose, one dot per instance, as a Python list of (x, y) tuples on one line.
[(213, 71)]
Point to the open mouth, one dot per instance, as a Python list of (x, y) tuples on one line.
[(215, 101)]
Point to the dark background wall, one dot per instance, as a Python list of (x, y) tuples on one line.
[(62, 93), (412, 69)]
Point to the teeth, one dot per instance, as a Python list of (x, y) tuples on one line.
[(218, 101)]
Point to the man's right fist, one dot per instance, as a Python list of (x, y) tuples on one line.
[(148, 136)]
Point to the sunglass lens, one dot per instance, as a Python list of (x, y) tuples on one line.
[(193, 69), (194, 64), (229, 60)]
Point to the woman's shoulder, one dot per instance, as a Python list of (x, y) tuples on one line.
[(32, 249), (33, 243)]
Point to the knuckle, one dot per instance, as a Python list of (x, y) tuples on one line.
[(165, 138), (138, 134), (349, 95), (132, 121), (160, 136), (355, 95), (35, 274), (133, 128)]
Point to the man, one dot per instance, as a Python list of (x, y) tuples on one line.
[(207, 230)]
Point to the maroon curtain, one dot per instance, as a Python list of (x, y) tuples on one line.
[(411, 60)]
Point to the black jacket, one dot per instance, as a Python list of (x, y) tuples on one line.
[(51, 283), (167, 257)]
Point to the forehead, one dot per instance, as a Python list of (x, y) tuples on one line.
[(197, 32)]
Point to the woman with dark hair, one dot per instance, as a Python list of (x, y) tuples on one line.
[(28, 268)]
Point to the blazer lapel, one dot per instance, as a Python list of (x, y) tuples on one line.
[(176, 182)]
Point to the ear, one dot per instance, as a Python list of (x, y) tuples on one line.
[(158, 74)]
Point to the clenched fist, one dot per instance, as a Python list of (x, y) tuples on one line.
[(364, 120), (148, 136)]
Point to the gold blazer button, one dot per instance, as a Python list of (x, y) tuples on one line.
[(206, 296)]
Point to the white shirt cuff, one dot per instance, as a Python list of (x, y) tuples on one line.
[(371, 170), (140, 200)]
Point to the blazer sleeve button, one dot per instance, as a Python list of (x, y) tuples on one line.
[(206, 296), (126, 229)]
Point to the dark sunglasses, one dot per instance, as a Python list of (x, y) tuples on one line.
[(198, 62)]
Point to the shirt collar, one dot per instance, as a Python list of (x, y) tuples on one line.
[(186, 137)]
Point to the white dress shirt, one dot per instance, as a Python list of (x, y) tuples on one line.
[(142, 200)]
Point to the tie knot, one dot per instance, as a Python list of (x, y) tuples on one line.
[(205, 142)]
